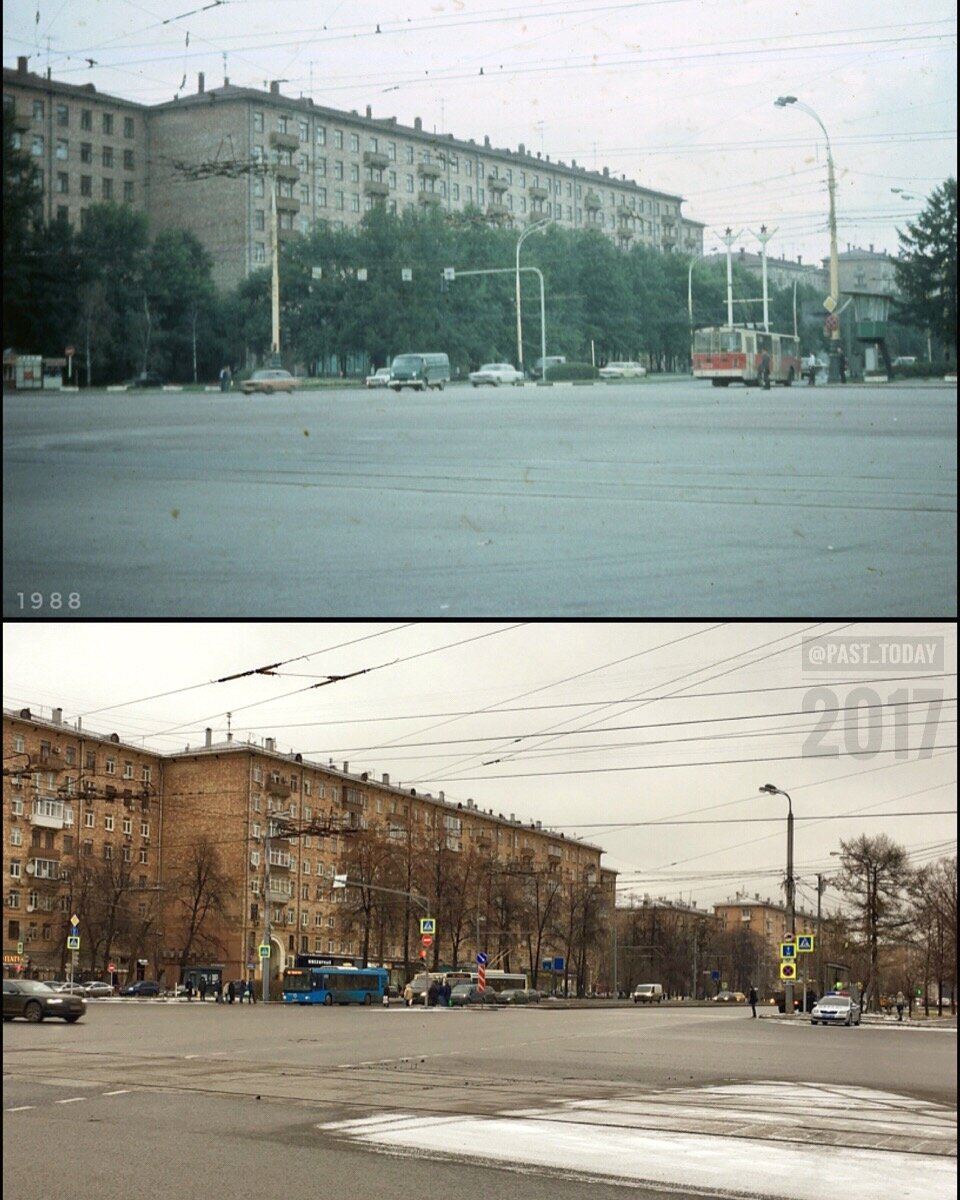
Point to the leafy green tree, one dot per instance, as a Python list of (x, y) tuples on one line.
[(182, 299), (927, 268), (21, 218)]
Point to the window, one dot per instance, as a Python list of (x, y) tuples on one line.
[(89, 820), (108, 822), (16, 836), (63, 149), (90, 761), (338, 139), (108, 124), (259, 252), (108, 156), (128, 826), (321, 135), (321, 197), (258, 122), (354, 173), (86, 118), (128, 129), (127, 769), (354, 203), (38, 110), (283, 123), (36, 145), (111, 765), (304, 130), (63, 114), (127, 854), (338, 169), (86, 848), (63, 183), (107, 851), (128, 160), (354, 142), (107, 189)]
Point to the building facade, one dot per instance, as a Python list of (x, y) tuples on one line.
[(206, 161), (203, 856)]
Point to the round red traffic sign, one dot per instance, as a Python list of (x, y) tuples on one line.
[(112, 967), (427, 939)]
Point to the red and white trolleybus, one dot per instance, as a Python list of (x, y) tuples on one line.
[(727, 354)]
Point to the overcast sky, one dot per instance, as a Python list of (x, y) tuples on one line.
[(596, 729), (677, 94)]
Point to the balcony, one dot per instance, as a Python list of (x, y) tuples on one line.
[(538, 193), (429, 170), (279, 892), (287, 204), (496, 184), (277, 787), (591, 200), (376, 160), (430, 199), (48, 814), (284, 141), (498, 209), (280, 858), (376, 187), (626, 216), (284, 171)]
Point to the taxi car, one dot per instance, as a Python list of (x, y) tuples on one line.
[(269, 379), (380, 378), (32, 1000), (495, 374)]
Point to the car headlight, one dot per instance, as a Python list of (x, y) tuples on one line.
[(55, 1000)]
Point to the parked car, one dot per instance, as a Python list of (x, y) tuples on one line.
[(143, 987), (380, 378), (533, 996), (537, 370), (647, 993), (149, 379), (269, 379), (834, 1009), (730, 998), (98, 987), (73, 989), (32, 1000), (495, 374), (468, 993), (512, 996), (622, 370)]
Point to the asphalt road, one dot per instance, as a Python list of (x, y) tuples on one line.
[(371, 1102), (665, 499)]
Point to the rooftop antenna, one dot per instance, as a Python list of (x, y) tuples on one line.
[(540, 127)]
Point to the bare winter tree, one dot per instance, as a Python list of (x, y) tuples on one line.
[(200, 894)]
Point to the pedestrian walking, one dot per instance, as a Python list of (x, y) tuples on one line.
[(241, 991), (753, 1000), (842, 366), (408, 995), (433, 994), (231, 992), (203, 987), (217, 992), (811, 364), (251, 997), (226, 379), (901, 1001), (764, 370), (189, 990), (445, 990)]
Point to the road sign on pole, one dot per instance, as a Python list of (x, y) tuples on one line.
[(805, 943), (788, 970), (427, 939), (428, 925)]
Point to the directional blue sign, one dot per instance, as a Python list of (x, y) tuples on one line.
[(715, 975), (482, 959), (558, 964), (548, 964)]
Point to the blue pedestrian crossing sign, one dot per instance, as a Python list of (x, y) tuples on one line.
[(428, 925), (73, 943), (788, 950), (805, 943)]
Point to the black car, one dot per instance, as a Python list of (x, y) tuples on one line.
[(143, 987), (33, 1001), (148, 380), (469, 993)]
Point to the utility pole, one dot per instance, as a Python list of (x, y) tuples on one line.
[(763, 237), (728, 239)]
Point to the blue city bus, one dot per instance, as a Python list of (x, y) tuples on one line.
[(334, 985)]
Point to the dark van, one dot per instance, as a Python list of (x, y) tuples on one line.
[(420, 371)]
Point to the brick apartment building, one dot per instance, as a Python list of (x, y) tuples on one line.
[(186, 163), (134, 842)]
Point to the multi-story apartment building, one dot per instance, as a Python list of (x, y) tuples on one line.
[(194, 162), (253, 839), (760, 925), (82, 831)]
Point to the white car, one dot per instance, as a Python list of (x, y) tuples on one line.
[(380, 378), (495, 374), (622, 370), (834, 1009)]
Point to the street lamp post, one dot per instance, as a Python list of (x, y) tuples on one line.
[(782, 102), (534, 228), (771, 790)]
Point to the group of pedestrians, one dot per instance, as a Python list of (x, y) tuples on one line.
[(438, 995), (811, 366), (235, 990)]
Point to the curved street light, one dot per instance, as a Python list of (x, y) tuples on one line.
[(771, 790), (783, 102), (536, 227)]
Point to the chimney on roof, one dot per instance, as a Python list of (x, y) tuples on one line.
[(521, 149), (274, 87), (269, 745), (58, 716), (441, 796), (799, 260), (226, 81), (208, 736), (369, 111), (21, 64), (417, 123), (871, 247), (200, 84), (346, 768), (386, 780), (606, 172)]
